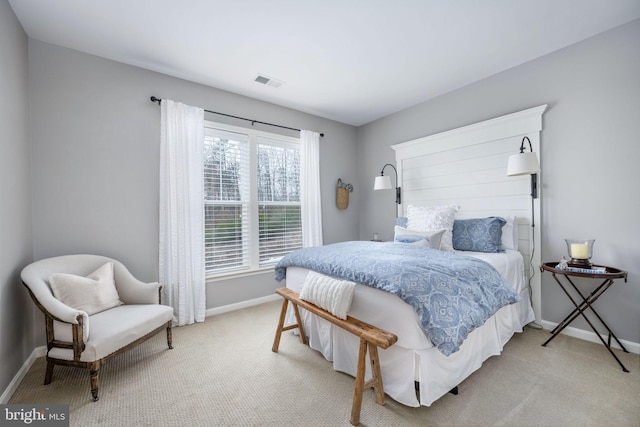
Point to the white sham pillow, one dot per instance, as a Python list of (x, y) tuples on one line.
[(428, 239), (510, 233), (425, 218), (92, 294)]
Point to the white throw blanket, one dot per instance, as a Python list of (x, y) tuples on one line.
[(331, 294)]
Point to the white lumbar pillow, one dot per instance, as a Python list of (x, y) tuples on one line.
[(429, 239), (332, 295), (92, 294)]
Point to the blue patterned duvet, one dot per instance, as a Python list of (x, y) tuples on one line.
[(452, 294)]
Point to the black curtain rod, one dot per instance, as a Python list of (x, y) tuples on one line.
[(158, 100)]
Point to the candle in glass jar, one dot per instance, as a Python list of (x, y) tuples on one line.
[(580, 251)]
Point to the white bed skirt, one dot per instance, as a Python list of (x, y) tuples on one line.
[(413, 357)]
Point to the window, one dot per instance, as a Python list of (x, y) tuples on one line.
[(252, 198)]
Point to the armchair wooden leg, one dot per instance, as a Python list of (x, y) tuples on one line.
[(48, 376), (169, 336), (93, 372)]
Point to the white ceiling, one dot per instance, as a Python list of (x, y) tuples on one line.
[(353, 61)]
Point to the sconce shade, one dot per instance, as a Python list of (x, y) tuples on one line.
[(523, 164), (382, 183)]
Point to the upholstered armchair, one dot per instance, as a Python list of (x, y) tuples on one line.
[(94, 309)]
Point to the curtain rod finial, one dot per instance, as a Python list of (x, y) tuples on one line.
[(154, 99)]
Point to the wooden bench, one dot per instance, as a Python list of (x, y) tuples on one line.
[(370, 336)]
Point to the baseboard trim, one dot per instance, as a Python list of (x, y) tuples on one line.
[(633, 347), (240, 305), (17, 379)]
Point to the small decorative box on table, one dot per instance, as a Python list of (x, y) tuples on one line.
[(608, 275)]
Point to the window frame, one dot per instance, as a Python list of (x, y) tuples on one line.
[(253, 136)]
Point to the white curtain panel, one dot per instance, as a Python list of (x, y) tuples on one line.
[(182, 271), (311, 208)]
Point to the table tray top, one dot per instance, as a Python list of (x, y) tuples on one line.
[(611, 272)]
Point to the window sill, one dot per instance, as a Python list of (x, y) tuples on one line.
[(239, 274)]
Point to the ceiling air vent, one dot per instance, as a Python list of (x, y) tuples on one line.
[(260, 78)]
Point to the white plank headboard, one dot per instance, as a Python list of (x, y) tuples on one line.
[(467, 167)]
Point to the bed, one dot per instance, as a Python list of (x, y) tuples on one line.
[(415, 372)]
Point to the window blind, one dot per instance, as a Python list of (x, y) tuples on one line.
[(227, 201), (278, 199)]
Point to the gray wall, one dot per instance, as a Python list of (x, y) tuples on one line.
[(17, 314), (95, 137), (590, 147)]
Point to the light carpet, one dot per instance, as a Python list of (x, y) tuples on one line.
[(223, 373)]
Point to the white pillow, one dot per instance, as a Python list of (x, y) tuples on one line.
[(510, 233), (425, 218), (332, 295), (92, 294), (429, 239)]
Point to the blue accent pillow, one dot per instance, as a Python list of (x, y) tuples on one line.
[(478, 234)]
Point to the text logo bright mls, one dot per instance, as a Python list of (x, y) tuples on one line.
[(36, 415)]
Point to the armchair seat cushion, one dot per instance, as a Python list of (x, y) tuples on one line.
[(117, 327)]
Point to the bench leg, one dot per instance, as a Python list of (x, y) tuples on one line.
[(359, 386), (281, 327), (376, 382), (283, 313), (303, 337)]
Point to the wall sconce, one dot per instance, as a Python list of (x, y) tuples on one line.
[(525, 164), (383, 182)]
